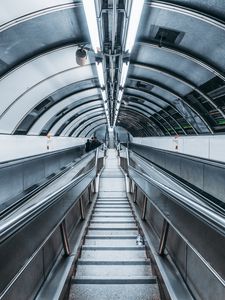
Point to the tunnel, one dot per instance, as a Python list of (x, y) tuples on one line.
[(112, 161)]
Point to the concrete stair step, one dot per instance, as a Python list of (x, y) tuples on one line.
[(117, 255), (112, 219), (107, 210), (112, 195), (112, 232), (112, 202), (115, 206), (110, 242), (114, 280), (112, 222), (111, 226), (114, 291), (113, 270), (112, 214), (109, 263), (114, 248), (122, 207), (112, 198), (127, 236)]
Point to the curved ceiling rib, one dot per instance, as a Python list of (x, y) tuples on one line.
[(139, 116), (175, 94), (152, 113), (132, 121), (149, 113), (87, 112), (26, 10), (180, 79), (40, 69), (44, 120), (54, 28), (193, 13), (163, 99), (132, 129), (178, 96), (95, 127), (74, 114), (160, 108), (69, 128), (37, 94), (185, 54), (85, 126), (150, 102), (83, 116), (50, 101)]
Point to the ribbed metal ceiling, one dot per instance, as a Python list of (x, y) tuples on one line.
[(175, 83)]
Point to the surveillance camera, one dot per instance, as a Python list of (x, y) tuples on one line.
[(81, 57)]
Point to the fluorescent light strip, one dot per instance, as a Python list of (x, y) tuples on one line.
[(105, 105), (134, 19), (100, 72), (103, 95), (135, 15), (91, 17), (120, 95), (124, 74)]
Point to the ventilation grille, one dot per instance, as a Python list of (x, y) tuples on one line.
[(44, 104), (144, 86), (62, 112), (136, 100), (166, 35)]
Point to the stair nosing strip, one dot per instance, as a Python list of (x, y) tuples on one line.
[(114, 281), (112, 237), (110, 248), (112, 263)]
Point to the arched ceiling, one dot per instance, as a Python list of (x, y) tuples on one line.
[(175, 82)]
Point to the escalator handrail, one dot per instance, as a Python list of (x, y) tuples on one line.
[(212, 162), (20, 217), (20, 160), (199, 207)]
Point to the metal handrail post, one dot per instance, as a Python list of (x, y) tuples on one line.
[(144, 208), (163, 239), (81, 208), (65, 239)]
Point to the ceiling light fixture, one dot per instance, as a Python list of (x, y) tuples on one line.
[(124, 73), (134, 19), (99, 67), (91, 17), (135, 15)]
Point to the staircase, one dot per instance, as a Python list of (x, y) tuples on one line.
[(112, 265)]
